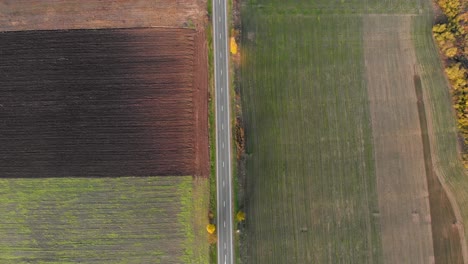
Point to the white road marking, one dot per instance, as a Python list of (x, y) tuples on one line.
[(222, 126), (223, 46)]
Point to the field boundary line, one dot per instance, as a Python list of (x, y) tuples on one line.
[(446, 188)]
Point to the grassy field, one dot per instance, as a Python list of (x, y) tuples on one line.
[(442, 132), (311, 183), (120, 220), (313, 177)]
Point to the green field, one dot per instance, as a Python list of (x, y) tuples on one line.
[(104, 220), (311, 194), (444, 132), (311, 185)]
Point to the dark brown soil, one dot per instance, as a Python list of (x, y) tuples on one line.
[(96, 103)]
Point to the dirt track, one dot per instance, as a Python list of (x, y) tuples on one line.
[(103, 103)]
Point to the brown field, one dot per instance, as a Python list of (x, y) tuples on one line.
[(124, 102), (401, 179), (104, 220), (72, 14), (418, 224)]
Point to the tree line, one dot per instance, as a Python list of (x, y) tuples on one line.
[(450, 34)]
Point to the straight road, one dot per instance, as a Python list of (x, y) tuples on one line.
[(223, 134)]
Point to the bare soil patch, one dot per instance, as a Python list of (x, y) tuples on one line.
[(126, 102), (404, 208), (71, 14)]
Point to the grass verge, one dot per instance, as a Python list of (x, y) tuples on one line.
[(212, 130)]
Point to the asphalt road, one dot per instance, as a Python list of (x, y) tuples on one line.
[(223, 134)]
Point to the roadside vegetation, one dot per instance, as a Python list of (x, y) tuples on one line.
[(237, 129), (211, 228)]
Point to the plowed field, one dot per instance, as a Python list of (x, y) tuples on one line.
[(103, 103)]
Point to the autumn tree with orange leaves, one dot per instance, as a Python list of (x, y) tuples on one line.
[(452, 38)]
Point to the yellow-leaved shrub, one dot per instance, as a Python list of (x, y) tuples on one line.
[(451, 52), (457, 76), (452, 39)]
